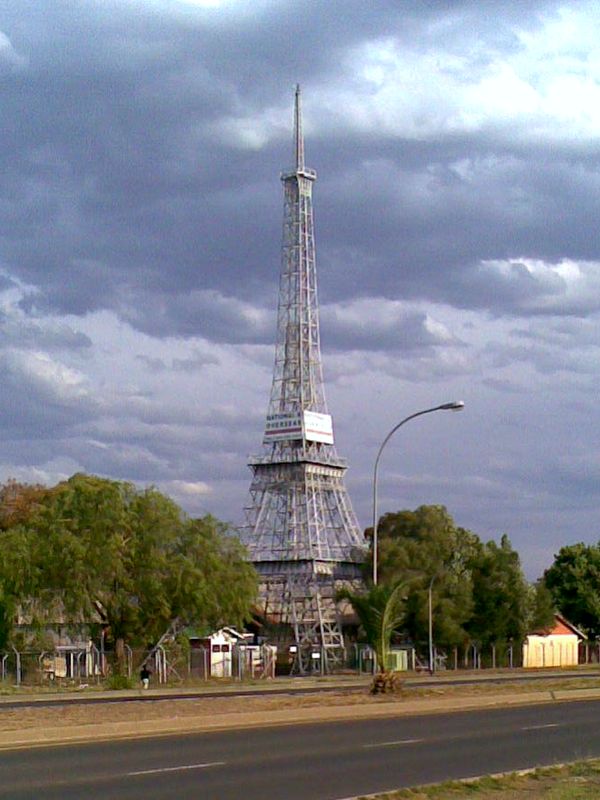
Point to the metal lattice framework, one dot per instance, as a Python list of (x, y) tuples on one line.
[(301, 532)]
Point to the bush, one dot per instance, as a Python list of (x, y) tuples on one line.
[(119, 682)]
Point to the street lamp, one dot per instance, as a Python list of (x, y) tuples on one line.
[(457, 405)]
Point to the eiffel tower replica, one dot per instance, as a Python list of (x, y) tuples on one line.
[(301, 532)]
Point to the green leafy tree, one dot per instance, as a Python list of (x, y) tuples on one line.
[(574, 582), (6, 620), (541, 607), (478, 591), (501, 595), (96, 548), (427, 542)]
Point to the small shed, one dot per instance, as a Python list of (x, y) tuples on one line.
[(217, 649), (556, 646)]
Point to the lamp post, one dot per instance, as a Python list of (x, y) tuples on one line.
[(457, 405)]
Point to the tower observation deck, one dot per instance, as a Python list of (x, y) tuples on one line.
[(301, 532)]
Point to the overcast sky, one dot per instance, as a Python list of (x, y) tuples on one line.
[(456, 212)]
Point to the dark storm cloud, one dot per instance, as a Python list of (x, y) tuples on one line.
[(117, 180), (428, 227)]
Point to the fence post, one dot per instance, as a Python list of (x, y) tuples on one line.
[(161, 663), (17, 666), (129, 660), (40, 667), (95, 660)]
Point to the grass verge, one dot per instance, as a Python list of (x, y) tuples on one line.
[(577, 781)]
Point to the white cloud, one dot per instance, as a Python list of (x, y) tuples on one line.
[(548, 85), (8, 55), (189, 488), (51, 375), (47, 474)]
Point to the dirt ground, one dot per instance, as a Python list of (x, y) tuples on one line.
[(137, 711), (83, 714)]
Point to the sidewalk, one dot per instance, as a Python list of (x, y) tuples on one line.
[(378, 708), (282, 684), (207, 689)]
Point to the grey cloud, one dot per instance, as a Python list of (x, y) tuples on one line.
[(124, 193), (35, 409), (546, 360), (26, 333), (196, 362), (202, 312), (513, 287), (499, 385), (375, 325), (153, 364)]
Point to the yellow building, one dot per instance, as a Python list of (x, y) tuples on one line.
[(558, 646)]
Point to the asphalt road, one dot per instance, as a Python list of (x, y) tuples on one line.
[(307, 762)]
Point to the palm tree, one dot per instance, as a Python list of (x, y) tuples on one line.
[(380, 611)]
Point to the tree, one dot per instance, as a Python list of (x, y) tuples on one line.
[(478, 591), (501, 595), (17, 501), (97, 549), (574, 582), (541, 607), (427, 541), (380, 611)]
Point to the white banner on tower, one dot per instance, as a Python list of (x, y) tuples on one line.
[(318, 427)]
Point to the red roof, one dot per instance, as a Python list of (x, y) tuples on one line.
[(561, 627)]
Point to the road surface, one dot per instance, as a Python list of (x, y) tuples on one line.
[(325, 761)]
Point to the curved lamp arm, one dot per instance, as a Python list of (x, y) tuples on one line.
[(457, 405)]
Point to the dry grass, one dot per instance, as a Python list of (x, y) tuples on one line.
[(580, 781), (81, 714)]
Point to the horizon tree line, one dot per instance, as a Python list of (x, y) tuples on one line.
[(132, 562)]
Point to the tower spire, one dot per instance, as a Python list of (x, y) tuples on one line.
[(298, 134)]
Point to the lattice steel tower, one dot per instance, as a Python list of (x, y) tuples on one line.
[(300, 531)]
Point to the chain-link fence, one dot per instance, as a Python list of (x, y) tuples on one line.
[(184, 663), (45, 668), (71, 666)]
